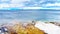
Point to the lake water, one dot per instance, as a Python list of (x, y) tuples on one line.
[(25, 15)]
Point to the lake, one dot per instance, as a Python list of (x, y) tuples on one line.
[(25, 15)]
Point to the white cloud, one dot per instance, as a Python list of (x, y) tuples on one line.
[(6, 6), (12, 4), (18, 1), (32, 7), (4, 0), (54, 4), (20, 4)]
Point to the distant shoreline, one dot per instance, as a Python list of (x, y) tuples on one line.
[(30, 10)]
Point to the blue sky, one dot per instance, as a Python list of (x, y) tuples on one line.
[(22, 4)]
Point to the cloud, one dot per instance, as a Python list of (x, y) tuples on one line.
[(8, 6), (18, 1), (11, 3), (29, 4), (54, 4)]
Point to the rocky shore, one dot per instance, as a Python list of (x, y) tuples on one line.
[(31, 27)]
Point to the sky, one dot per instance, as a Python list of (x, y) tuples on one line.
[(24, 4)]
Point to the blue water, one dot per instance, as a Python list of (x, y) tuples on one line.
[(24, 15)]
